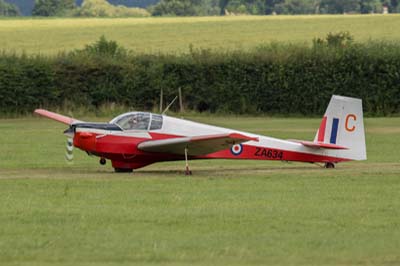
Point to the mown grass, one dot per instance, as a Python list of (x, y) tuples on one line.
[(228, 213), (154, 35)]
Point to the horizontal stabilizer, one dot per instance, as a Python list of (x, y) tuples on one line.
[(198, 145), (60, 118), (320, 145)]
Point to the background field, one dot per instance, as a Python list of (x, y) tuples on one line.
[(229, 212), (153, 35)]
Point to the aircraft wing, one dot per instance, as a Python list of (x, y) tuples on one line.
[(198, 145), (320, 145), (60, 118)]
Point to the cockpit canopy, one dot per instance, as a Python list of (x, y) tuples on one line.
[(138, 121)]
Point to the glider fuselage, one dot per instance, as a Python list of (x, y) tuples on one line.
[(122, 146), (136, 139)]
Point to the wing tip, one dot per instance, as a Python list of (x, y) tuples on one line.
[(39, 111), (57, 117)]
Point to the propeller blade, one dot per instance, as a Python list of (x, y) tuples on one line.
[(69, 148)]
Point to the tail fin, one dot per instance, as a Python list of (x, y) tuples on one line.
[(343, 125)]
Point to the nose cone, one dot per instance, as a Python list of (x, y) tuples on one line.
[(69, 132), (85, 141)]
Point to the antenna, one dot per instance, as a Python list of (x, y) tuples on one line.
[(161, 99), (169, 105)]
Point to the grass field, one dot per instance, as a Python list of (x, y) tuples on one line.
[(153, 35), (228, 213)]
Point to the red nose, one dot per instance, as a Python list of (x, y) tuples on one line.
[(85, 141)]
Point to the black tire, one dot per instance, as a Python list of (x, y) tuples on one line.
[(123, 170), (188, 172), (329, 165)]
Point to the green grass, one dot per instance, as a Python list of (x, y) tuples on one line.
[(153, 35), (228, 213)]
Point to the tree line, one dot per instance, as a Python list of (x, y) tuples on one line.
[(267, 7), (114, 8), (73, 8)]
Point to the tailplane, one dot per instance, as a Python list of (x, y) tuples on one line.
[(343, 125)]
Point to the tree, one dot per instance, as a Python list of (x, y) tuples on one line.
[(270, 5), (370, 6), (101, 8), (134, 3), (8, 10), (186, 8), (48, 8), (174, 8), (25, 6), (393, 5), (340, 6), (295, 7), (222, 6)]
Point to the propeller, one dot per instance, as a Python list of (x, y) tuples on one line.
[(69, 147)]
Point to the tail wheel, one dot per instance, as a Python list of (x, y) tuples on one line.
[(123, 170), (102, 161), (329, 165)]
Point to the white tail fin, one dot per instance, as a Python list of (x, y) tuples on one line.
[(343, 125)]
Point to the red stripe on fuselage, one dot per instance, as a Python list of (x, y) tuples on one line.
[(123, 149), (321, 131), (264, 153), (96, 142)]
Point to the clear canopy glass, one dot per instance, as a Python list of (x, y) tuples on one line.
[(138, 121)]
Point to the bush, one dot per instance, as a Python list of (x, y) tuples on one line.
[(336, 40), (284, 79), (102, 49)]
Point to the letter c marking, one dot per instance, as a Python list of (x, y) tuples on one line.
[(350, 129)]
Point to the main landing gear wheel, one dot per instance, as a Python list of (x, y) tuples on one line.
[(188, 172), (123, 170), (102, 161), (329, 165)]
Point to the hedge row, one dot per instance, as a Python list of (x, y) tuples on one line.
[(271, 79)]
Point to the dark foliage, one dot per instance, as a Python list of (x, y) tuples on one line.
[(26, 6), (48, 8), (271, 79), (260, 7)]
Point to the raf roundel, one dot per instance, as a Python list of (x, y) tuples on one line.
[(237, 149)]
